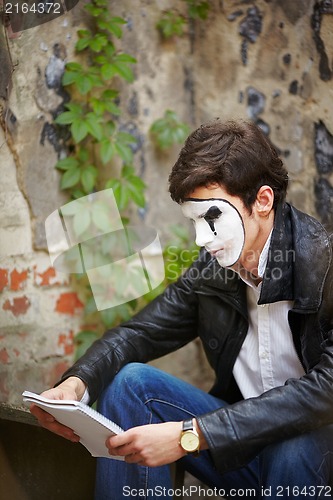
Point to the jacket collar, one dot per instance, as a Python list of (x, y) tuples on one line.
[(299, 245)]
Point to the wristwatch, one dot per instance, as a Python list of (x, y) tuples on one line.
[(189, 438)]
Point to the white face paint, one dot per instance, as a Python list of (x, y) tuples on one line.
[(219, 228)]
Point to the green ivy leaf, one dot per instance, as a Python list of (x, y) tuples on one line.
[(69, 77), (109, 317), (169, 130), (127, 58), (79, 130), (124, 71), (98, 106), (70, 178), (110, 94), (121, 194), (171, 24), (69, 209), (101, 216), (107, 150), (114, 26), (101, 58), (90, 306), (93, 126), (66, 118), (93, 10), (88, 178), (124, 152), (125, 138), (98, 42), (109, 128), (127, 171), (67, 163), (84, 84), (198, 9), (107, 71), (134, 185), (81, 222), (75, 108), (112, 108), (83, 341), (137, 195), (77, 193), (109, 51), (73, 66), (83, 155), (82, 44), (123, 312)]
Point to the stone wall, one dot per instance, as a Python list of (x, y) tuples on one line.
[(269, 61)]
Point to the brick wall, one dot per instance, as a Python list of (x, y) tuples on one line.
[(40, 314)]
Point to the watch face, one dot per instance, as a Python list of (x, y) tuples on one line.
[(189, 441)]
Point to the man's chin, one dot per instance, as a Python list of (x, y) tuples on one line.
[(227, 262)]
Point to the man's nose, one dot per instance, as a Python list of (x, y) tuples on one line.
[(203, 234)]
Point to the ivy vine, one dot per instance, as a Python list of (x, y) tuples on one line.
[(98, 145), (173, 24)]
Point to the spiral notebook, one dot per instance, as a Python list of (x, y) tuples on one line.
[(92, 427)]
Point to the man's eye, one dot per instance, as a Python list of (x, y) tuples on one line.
[(212, 213), (211, 217)]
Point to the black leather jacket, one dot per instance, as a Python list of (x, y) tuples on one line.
[(210, 302)]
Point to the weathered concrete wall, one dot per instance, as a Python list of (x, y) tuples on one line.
[(270, 61), (40, 312)]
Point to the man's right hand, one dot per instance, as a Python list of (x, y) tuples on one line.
[(72, 388)]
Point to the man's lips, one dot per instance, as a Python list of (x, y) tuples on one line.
[(213, 253)]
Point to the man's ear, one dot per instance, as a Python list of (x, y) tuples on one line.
[(264, 201)]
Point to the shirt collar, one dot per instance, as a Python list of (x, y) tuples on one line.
[(264, 256)]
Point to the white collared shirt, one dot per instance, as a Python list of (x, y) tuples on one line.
[(268, 356)]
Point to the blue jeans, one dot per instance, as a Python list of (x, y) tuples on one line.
[(140, 394)]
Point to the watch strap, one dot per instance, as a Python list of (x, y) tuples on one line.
[(188, 425)]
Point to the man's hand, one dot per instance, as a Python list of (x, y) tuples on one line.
[(151, 445), (71, 388)]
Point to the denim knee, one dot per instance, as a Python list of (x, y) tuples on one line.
[(132, 373), (132, 378)]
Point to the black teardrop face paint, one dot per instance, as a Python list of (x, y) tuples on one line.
[(212, 214)]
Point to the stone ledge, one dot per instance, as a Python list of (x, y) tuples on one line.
[(17, 414)]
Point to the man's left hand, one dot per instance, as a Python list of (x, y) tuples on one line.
[(151, 445)]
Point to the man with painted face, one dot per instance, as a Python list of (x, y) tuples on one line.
[(260, 298)]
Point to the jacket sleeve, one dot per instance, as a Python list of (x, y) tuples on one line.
[(166, 324)]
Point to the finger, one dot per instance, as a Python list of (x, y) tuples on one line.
[(134, 458), (41, 415), (121, 451), (47, 421), (118, 440), (63, 431)]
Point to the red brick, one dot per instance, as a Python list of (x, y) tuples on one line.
[(47, 278), (4, 356), (66, 341), (18, 280), (68, 303), (19, 306), (3, 279)]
